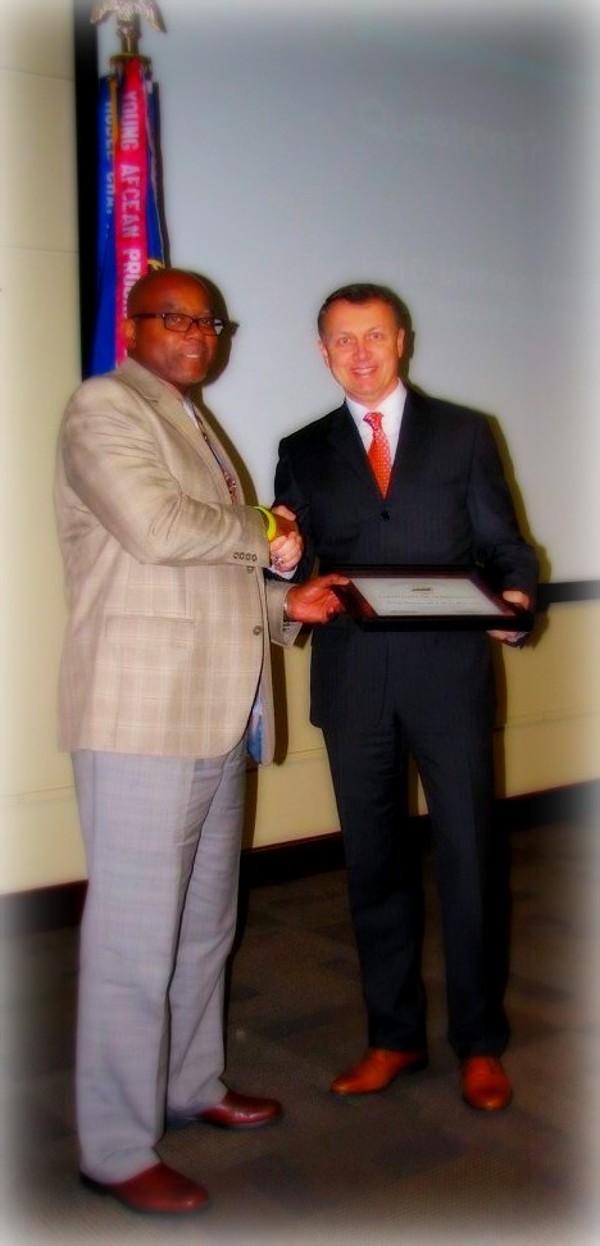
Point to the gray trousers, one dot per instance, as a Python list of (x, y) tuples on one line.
[(162, 839)]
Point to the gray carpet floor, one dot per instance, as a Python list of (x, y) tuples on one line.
[(411, 1165)]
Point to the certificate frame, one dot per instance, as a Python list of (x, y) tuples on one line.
[(438, 598)]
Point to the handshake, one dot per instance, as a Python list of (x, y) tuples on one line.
[(312, 602), (284, 537)]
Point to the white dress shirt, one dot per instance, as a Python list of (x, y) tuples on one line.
[(391, 408)]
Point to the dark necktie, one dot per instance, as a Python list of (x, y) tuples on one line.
[(229, 479)]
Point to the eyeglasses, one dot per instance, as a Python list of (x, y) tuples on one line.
[(179, 322)]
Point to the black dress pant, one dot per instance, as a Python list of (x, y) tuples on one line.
[(440, 709)]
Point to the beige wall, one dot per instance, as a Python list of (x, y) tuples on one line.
[(39, 840), (552, 689)]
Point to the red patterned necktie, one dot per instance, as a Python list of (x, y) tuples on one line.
[(379, 452)]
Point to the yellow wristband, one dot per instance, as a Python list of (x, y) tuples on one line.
[(270, 520)]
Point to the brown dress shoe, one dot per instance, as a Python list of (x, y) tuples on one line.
[(240, 1112), (485, 1083), (157, 1191), (377, 1069)]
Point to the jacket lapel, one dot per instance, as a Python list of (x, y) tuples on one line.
[(345, 442), (346, 445), (412, 440), (168, 405)]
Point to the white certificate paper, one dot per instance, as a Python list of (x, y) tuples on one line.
[(414, 596)]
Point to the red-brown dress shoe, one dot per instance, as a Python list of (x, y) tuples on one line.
[(237, 1111), (485, 1084), (157, 1191), (377, 1069)]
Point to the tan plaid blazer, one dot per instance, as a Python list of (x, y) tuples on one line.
[(169, 615)]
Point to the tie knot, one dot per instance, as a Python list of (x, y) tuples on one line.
[(374, 418)]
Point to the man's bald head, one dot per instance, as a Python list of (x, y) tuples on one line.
[(156, 283), (180, 356)]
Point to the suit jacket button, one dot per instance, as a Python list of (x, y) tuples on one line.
[(257, 630), (251, 570), (385, 515)]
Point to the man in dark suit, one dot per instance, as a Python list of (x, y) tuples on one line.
[(378, 695)]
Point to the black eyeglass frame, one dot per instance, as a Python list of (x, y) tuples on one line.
[(206, 324)]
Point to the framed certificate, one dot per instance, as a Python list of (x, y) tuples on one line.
[(441, 598)]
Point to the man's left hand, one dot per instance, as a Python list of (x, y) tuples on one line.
[(517, 598), (315, 601)]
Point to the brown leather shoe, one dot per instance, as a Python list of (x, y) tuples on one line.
[(157, 1191), (485, 1083), (240, 1112), (377, 1069)]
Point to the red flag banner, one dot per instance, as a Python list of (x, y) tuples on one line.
[(130, 239), (131, 186)]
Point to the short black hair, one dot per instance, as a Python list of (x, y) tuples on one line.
[(364, 292)]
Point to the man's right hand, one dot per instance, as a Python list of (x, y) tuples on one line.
[(314, 601), (287, 545)]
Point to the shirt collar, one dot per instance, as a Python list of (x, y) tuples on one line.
[(392, 406)]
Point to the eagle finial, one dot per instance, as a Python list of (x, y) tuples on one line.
[(128, 13)]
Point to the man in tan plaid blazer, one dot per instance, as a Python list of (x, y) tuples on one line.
[(166, 652)]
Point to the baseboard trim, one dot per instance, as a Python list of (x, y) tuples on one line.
[(53, 908), (43, 909)]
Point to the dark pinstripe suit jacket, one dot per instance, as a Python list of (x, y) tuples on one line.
[(448, 503)]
